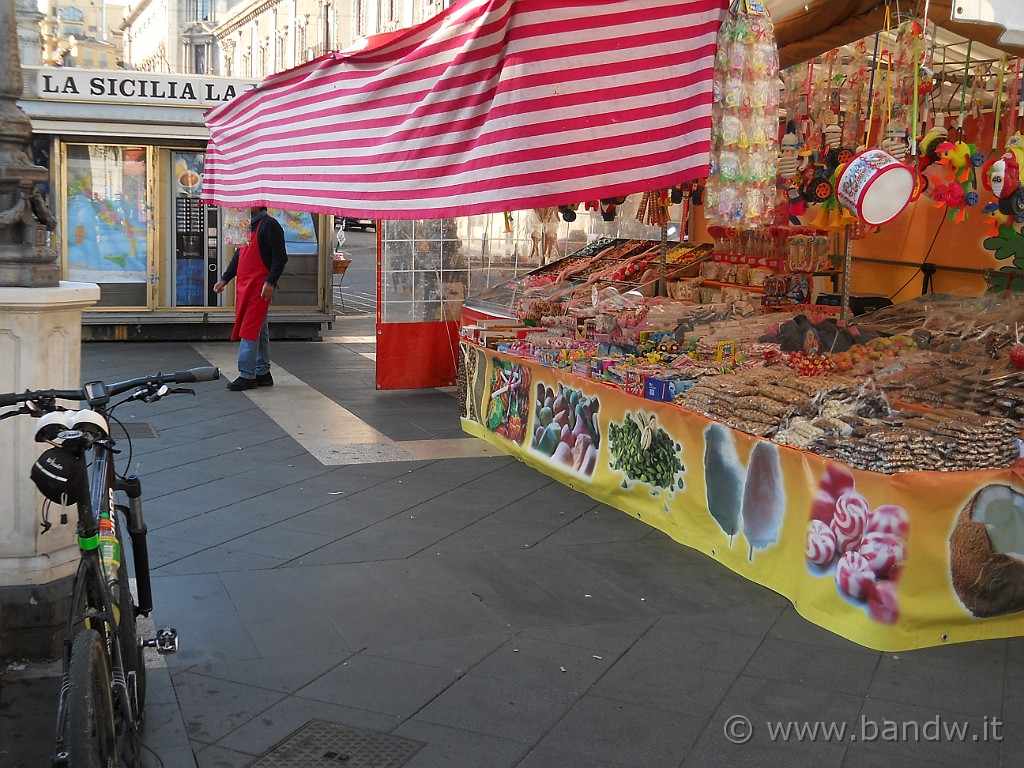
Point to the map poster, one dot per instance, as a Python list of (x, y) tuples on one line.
[(106, 215)]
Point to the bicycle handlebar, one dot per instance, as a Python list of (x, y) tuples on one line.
[(204, 373)]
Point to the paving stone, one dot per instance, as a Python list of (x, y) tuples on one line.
[(455, 653), (164, 730), (503, 708), (599, 524), (613, 639), (286, 673), (428, 571), (380, 685), (793, 626), (449, 747), (441, 605), (914, 680), (671, 638), (545, 664), (219, 757), (603, 729), (639, 678), (760, 702), (205, 616), (830, 668), (224, 558), (544, 757), (212, 708), (391, 539), (926, 732), (282, 719)]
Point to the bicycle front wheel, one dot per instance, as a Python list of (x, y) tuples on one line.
[(90, 733)]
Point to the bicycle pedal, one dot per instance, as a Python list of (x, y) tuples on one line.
[(165, 642)]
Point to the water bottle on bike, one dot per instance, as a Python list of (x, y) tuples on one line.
[(110, 549)]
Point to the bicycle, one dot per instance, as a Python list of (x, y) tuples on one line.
[(103, 682)]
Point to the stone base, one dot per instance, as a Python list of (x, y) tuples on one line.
[(13, 275), (40, 347), (34, 621)]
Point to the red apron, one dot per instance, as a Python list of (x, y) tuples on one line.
[(250, 306)]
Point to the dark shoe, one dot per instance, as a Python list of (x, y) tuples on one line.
[(265, 379), (242, 383)]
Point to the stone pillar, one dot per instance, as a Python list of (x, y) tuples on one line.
[(40, 340), (40, 346)]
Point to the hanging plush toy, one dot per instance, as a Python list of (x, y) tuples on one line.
[(1001, 175), (960, 157), (933, 146)]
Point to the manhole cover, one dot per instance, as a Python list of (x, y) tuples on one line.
[(319, 744), (136, 430)]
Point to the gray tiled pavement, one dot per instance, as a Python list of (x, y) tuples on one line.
[(476, 606)]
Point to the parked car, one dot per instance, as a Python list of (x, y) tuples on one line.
[(361, 224)]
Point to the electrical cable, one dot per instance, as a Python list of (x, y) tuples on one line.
[(920, 268)]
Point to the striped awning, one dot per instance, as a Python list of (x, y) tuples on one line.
[(493, 105)]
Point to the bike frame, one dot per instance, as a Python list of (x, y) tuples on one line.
[(90, 588)]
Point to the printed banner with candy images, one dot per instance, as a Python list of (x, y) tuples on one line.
[(891, 562)]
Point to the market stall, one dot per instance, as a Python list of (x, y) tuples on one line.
[(868, 470), (715, 395)]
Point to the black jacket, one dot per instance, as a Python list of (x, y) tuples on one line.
[(270, 239)]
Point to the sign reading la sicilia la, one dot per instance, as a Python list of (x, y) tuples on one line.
[(129, 87)]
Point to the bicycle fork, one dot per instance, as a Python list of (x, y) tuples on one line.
[(166, 639)]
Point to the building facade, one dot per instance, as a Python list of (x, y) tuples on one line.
[(80, 33), (262, 37), (173, 36)]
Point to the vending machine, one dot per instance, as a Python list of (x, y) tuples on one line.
[(197, 235)]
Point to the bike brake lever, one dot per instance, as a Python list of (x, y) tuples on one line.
[(182, 391)]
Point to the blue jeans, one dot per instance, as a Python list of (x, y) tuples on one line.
[(254, 356)]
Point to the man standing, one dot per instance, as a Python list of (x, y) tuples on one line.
[(258, 266)]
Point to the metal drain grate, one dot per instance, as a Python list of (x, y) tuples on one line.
[(136, 430), (319, 744)]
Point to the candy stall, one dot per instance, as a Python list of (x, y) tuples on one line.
[(857, 455)]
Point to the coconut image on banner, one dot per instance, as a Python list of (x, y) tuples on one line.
[(566, 431), (861, 547), (986, 552)]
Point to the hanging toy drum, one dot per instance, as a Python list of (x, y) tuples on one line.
[(875, 186)]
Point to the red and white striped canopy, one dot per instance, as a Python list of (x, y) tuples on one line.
[(493, 105)]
